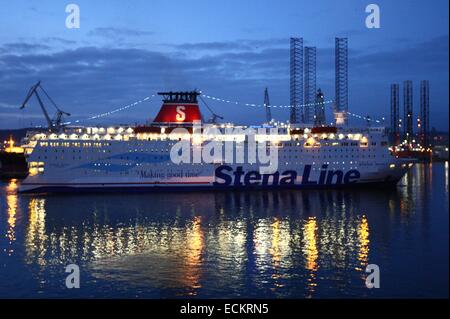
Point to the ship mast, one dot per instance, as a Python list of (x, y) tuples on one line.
[(267, 105)]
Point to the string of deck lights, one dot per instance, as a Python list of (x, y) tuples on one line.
[(260, 105), (365, 117), (114, 111), (214, 98)]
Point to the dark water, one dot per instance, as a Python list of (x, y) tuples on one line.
[(279, 244)]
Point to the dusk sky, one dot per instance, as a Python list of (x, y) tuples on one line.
[(125, 51)]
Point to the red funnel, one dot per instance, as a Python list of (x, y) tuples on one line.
[(179, 107)]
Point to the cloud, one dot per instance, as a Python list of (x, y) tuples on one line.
[(112, 32), (59, 40), (221, 46), (8, 106), (420, 59), (90, 80), (238, 45), (23, 47)]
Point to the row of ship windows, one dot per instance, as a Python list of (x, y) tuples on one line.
[(167, 150), (363, 163), (79, 151), (107, 151), (96, 158), (165, 157), (341, 156), (87, 172), (321, 150), (201, 164), (74, 144), (383, 143), (251, 164), (104, 144)]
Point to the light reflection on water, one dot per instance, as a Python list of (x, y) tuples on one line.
[(11, 199), (215, 244)]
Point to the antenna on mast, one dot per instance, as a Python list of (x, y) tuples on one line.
[(267, 105)]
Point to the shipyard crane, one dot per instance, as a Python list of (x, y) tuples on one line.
[(55, 124), (267, 105)]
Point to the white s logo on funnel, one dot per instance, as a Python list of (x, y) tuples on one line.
[(181, 115)]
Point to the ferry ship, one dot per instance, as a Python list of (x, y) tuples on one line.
[(138, 158)]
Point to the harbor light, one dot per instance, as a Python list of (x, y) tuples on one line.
[(11, 148)]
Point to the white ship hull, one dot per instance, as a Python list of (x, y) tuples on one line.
[(113, 167)]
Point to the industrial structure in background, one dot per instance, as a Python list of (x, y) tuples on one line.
[(424, 120), (310, 84), (408, 110), (303, 83), (319, 109), (396, 123), (267, 106), (341, 80), (55, 124), (410, 144), (296, 80)]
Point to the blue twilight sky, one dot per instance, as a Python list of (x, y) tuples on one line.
[(127, 50)]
